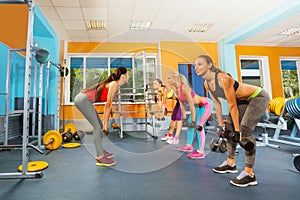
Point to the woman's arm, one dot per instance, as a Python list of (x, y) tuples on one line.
[(226, 82), (187, 92), (217, 105), (112, 91)]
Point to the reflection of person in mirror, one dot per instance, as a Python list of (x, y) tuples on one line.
[(102, 92)]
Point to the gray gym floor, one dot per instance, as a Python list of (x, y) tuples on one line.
[(148, 169)]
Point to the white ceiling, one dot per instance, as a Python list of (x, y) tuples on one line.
[(170, 19)]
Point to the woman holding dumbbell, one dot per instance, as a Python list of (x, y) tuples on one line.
[(101, 92), (247, 104), (200, 108)]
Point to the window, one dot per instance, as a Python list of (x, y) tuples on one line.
[(290, 77), (250, 70), (86, 71)]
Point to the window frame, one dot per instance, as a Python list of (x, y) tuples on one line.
[(66, 84)]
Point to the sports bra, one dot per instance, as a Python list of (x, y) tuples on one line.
[(91, 94), (182, 97), (219, 92)]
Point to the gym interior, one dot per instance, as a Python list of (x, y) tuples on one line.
[(51, 49)]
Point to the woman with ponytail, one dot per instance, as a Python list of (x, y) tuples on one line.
[(200, 108), (101, 92)]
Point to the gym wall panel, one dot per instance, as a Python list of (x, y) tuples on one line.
[(98, 47), (13, 23), (173, 53), (274, 54)]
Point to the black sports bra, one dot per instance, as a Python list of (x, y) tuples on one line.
[(219, 92)]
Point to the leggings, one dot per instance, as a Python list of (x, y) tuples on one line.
[(176, 114), (85, 106), (249, 115), (202, 113)]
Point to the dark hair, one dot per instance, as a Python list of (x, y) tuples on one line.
[(209, 60), (115, 76), (160, 82)]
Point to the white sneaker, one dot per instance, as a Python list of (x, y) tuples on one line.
[(173, 141), (166, 137)]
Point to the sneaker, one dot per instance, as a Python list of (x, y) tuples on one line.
[(107, 154), (225, 168), (186, 148), (173, 141), (167, 136), (196, 155), (243, 180), (105, 162)]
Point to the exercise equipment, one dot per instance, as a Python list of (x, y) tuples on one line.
[(78, 135), (71, 145), (218, 143), (34, 166), (42, 56), (276, 105), (115, 126), (52, 140), (70, 127), (297, 162)]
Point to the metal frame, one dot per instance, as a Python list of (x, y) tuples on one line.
[(25, 145)]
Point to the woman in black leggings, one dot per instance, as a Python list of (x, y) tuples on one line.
[(247, 104)]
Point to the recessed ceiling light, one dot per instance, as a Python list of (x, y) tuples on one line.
[(140, 25), (96, 24), (200, 27), (295, 31)]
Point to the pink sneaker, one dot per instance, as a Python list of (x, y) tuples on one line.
[(186, 148), (196, 155), (167, 137)]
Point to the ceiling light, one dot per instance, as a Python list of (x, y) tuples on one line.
[(291, 32), (96, 24), (200, 27), (140, 25)]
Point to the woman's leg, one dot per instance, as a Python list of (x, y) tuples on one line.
[(87, 109)]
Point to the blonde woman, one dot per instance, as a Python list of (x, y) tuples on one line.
[(200, 108)]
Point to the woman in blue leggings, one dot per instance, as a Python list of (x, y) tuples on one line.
[(200, 108)]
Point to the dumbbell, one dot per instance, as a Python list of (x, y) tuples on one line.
[(185, 123), (218, 143), (78, 135)]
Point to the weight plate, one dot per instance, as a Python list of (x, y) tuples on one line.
[(279, 107), (71, 127), (71, 145), (54, 136), (222, 146), (34, 166), (297, 162), (214, 144)]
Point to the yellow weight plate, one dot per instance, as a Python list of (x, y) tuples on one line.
[(71, 127), (71, 145), (279, 107), (34, 166), (53, 136)]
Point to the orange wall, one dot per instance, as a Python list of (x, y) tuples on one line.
[(98, 47), (13, 21), (274, 54)]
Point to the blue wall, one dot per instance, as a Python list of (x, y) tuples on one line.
[(45, 37)]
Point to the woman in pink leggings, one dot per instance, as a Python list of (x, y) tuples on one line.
[(200, 108)]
